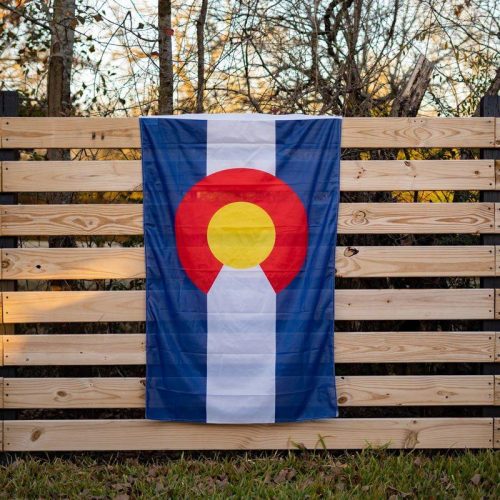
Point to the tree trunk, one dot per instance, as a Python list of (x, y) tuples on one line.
[(60, 62), (407, 103), (200, 40), (165, 32)]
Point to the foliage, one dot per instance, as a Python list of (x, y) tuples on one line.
[(368, 474)]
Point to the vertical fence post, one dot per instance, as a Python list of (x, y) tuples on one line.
[(490, 107), (9, 106)]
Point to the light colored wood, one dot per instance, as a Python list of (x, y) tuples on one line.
[(391, 261), (390, 304), (497, 348), (497, 174), (124, 263), (1, 397), (75, 349), (111, 175), (354, 218), (497, 390), (355, 175), (415, 218), (350, 347), (418, 132), (414, 347), (73, 263), (101, 306), (348, 433), (417, 304), (497, 303), (111, 219), (416, 175), (126, 392)]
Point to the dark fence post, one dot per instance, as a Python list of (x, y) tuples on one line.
[(490, 107), (9, 106)]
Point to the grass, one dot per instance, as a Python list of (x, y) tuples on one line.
[(369, 474)]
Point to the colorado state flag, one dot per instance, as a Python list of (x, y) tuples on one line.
[(240, 218)]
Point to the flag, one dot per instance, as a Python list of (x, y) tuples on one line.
[(240, 218)]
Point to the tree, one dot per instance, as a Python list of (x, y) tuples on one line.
[(60, 62), (165, 32)]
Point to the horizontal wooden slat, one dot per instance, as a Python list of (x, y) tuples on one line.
[(355, 175), (351, 433), (350, 347), (73, 263), (413, 261), (386, 218), (413, 347), (497, 390), (25, 220), (418, 304), (1, 399), (351, 391), (354, 218), (354, 261), (416, 132), (390, 304)]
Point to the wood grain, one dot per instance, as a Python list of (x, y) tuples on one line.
[(351, 262), (414, 261), (351, 433), (418, 132), (123, 392), (497, 390), (355, 175), (390, 304), (354, 218), (73, 263), (350, 347), (415, 218), (26, 220), (497, 348)]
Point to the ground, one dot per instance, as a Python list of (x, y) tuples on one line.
[(370, 474)]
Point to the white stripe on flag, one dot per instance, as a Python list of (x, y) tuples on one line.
[(241, 305), (241, 144)]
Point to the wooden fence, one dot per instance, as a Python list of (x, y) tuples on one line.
[(354, 347)]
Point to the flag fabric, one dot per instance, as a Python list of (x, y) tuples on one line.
[(240, 219)]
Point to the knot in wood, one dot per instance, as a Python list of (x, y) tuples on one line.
[(342, 400), (5, 264), (350, 251), (35, 435), (359, 216)]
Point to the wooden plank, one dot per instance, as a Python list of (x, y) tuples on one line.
[(105, 392), (355, 175), (124, 263), (350, 347), (348, 433), (25, 220), (418, 304), (415, 218), (1, 394), (76, 349), (354, 218), (73, 263), (101, 306), (414, 261), (390, 304), (413, 347), (497, 348), (418, 132), (497, 390)]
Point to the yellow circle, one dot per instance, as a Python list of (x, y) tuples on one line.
[(241, 235)]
